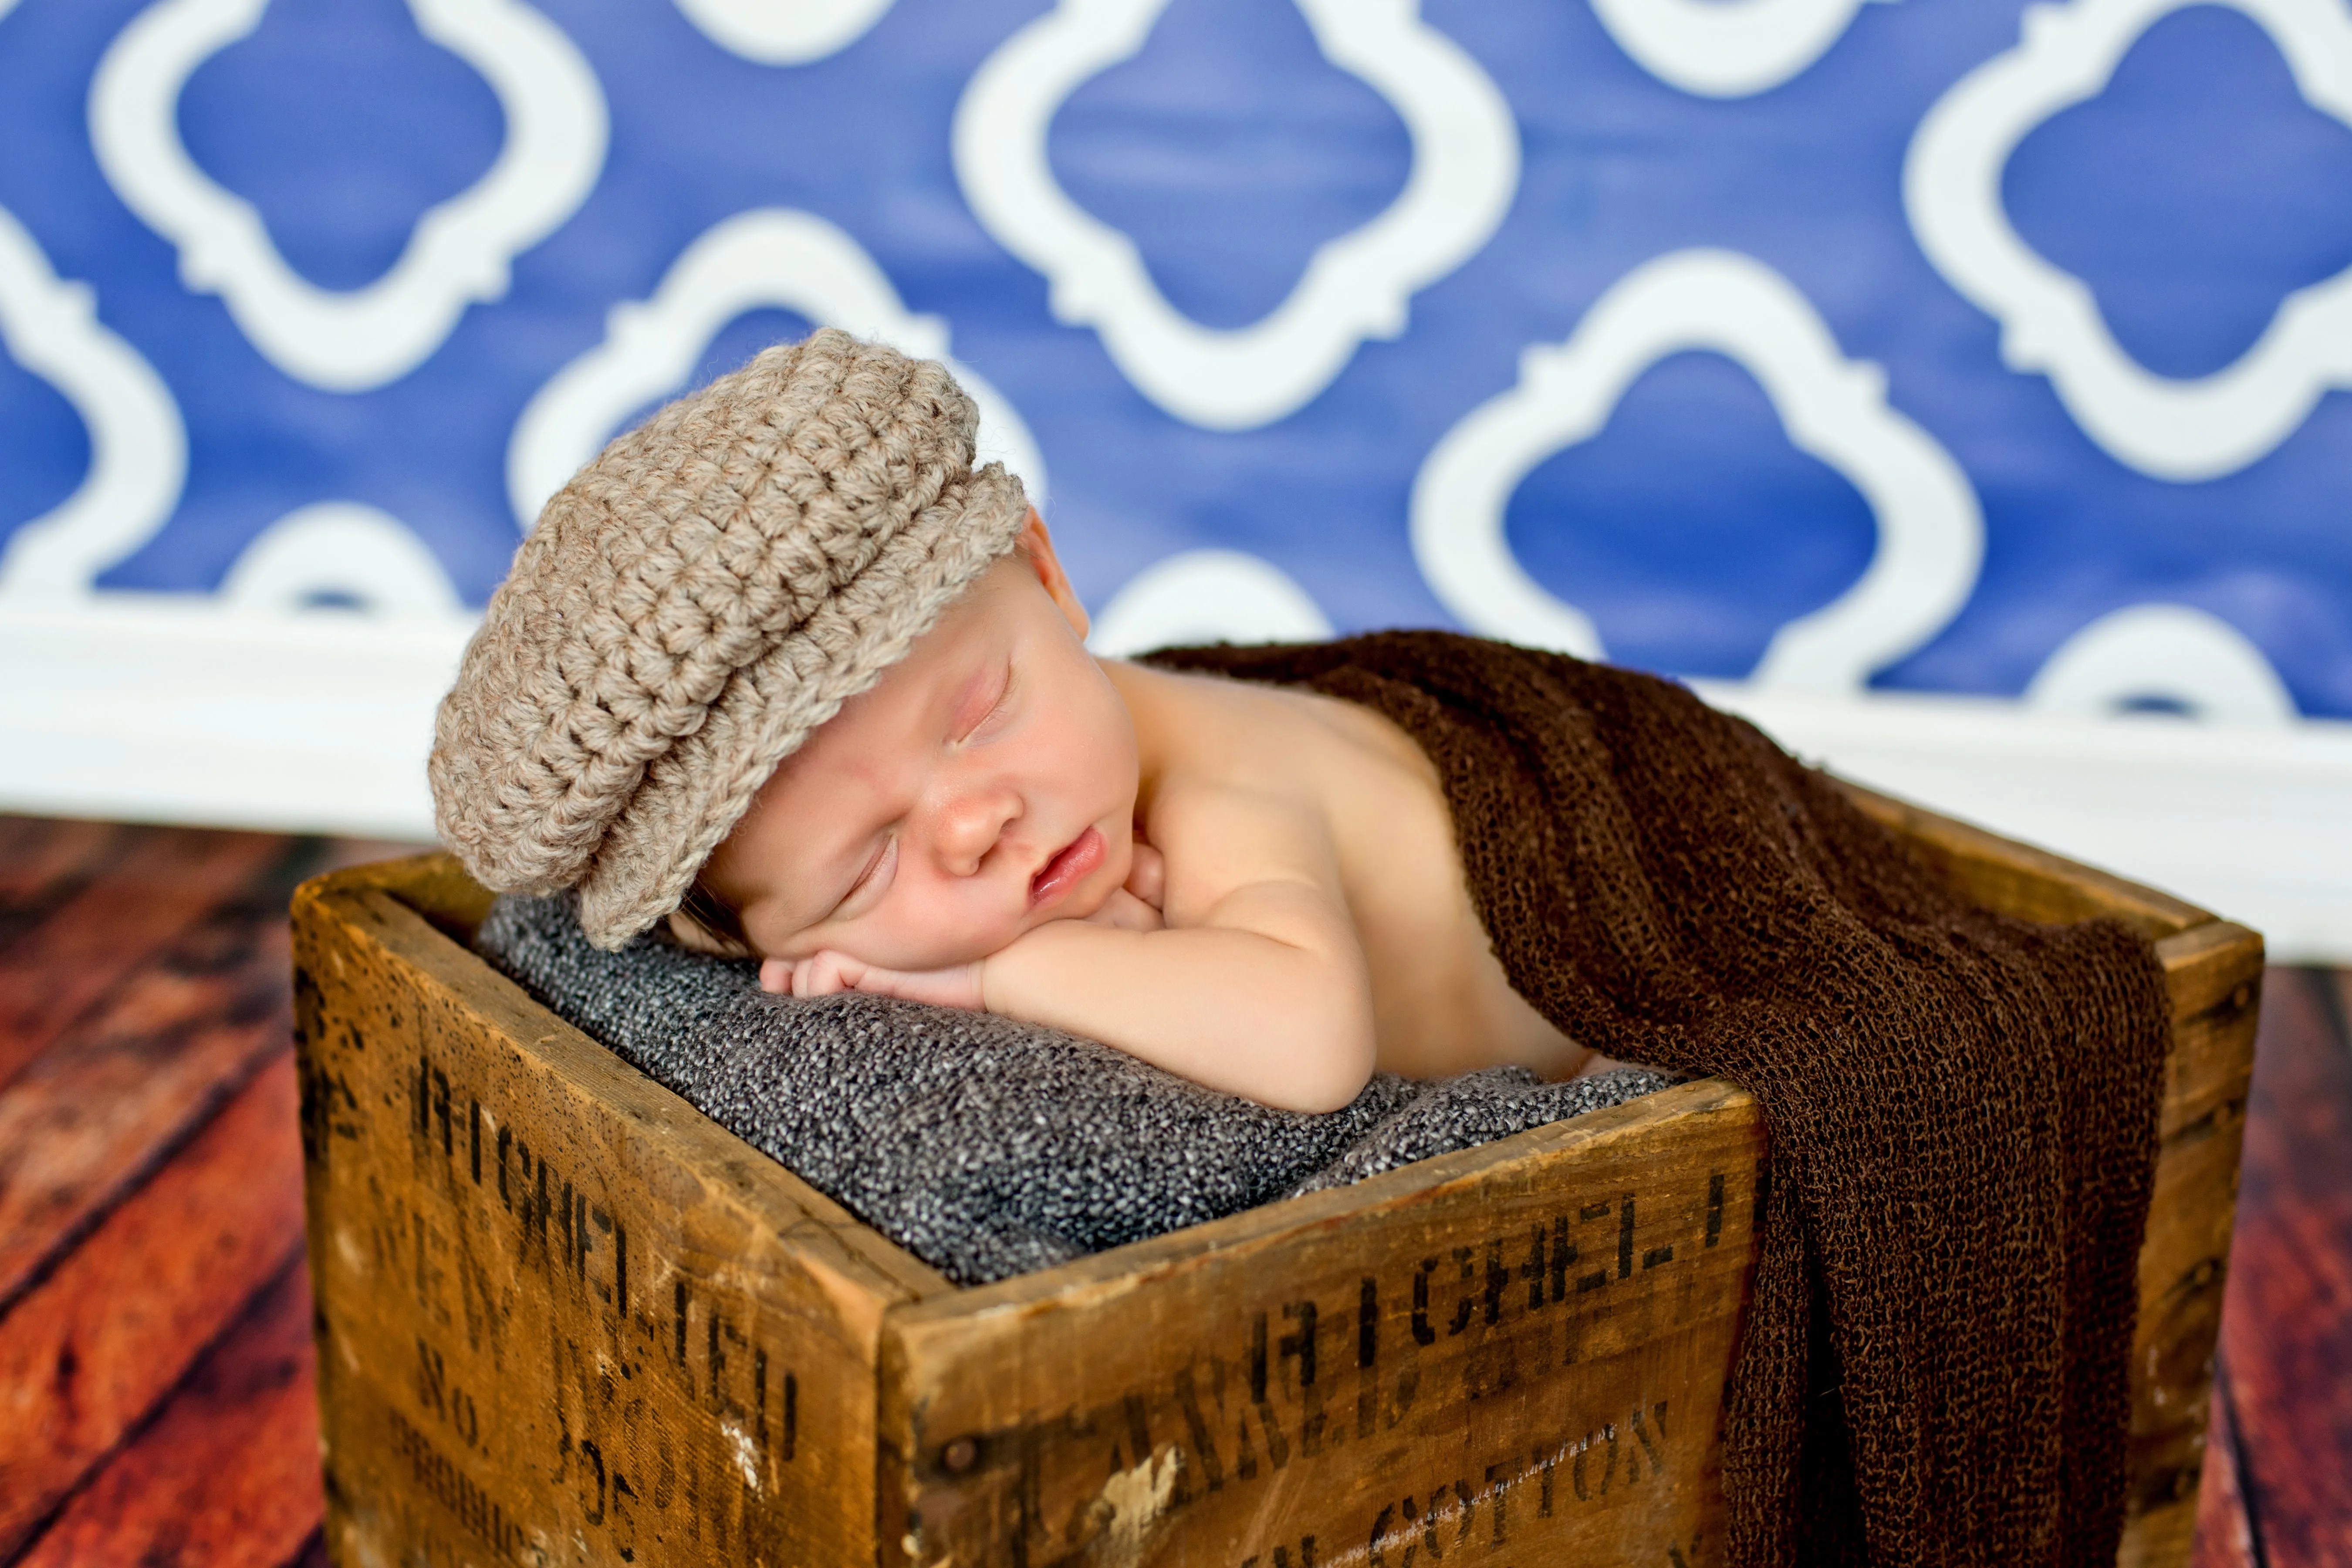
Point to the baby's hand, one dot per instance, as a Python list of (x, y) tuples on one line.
[(1147, 876), (831, 972), (1136, 906), (1125, 912)]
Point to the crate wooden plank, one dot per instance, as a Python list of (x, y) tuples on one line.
[(87, 1353), (562, 1314), (161, 888), (434, 885), (1204, 1397), (120, 1089), (227, 1475), (1514, 1353), (1053, 1430), (2288, 1330), (2214, 974)]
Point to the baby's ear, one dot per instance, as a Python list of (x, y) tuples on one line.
[(1036, 547)]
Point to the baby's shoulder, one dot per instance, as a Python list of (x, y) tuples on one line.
[(1237, 763), (1268, 736)]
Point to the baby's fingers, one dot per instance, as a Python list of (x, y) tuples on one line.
[(829, 974), (825, 974), (1147, 877), (1125, 912)]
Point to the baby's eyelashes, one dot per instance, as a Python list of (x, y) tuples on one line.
[(872, 882), (983, 708)]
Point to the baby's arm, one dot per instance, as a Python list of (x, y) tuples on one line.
[(1256, 984), (1135, 906), (1268, 998)]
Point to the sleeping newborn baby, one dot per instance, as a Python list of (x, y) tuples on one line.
[(783, 673), (1254, 888)]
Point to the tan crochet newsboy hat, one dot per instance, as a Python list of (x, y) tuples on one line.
[(692, 604)]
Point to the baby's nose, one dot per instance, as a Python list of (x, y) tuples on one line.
[(970, 825)]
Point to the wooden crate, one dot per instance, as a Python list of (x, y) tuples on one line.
[(564, 1317)]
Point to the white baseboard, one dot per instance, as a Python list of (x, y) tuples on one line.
[(165, 709), (2252, 823), (175, 710)]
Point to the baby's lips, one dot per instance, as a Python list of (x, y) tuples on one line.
[(1072, 864)]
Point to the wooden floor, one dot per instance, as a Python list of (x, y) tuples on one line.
[(156, 1361)]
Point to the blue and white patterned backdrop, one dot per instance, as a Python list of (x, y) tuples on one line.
[(1843, 351)]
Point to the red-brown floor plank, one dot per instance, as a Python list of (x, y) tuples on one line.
[(142, 973), (87, 1354), (93, 1114), (42, 855), (160, 888), (2286, 1324), (2225, 1534), (227, 1475), (42, 863)]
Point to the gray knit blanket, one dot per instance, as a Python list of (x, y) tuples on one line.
[(987, 1147)]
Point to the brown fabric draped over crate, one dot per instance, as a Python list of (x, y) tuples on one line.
[(1962, 1107)]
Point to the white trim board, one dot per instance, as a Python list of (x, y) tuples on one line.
[(2252, 822), (165, 709), (161, 708)]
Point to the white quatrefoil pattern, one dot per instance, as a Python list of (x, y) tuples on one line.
[(349, 340), (1206, 596), (1726, 48), (2173, 428), (2163, 659), (1293, 296), (776, 258), (1465, 169), (138, 448), (341, 555), (1930, 531), (785, 32)]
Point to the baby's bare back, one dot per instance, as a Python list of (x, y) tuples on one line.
[(1232, 773)]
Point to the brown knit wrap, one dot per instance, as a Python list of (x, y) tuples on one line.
[(696, 601), (1962, 1107)]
